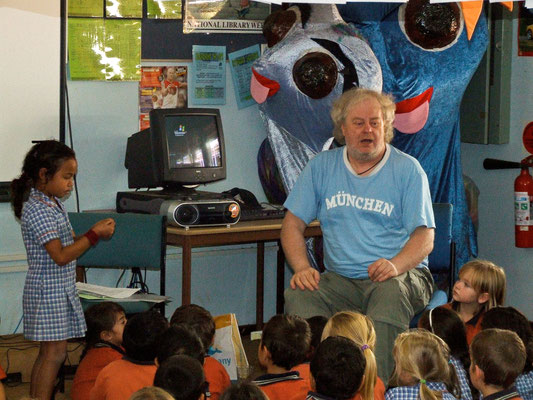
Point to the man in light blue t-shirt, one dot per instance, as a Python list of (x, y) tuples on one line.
[(374, 207)]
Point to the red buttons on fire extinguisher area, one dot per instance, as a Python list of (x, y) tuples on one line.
[(523, 202)]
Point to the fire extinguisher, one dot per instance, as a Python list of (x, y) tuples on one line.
[(523, 203)]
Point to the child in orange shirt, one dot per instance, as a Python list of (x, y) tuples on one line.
[(105, 325), (337, 370), (284, 344), (121, 378), (360, 329), (202, 323), (2, 392), (481, 286)]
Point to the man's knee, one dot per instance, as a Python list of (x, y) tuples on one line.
[(305, 303)]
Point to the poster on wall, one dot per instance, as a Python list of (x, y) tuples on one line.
[(525, 30), (158, 9), (208, 75), (225, 16), (161, 87), (240, 63)]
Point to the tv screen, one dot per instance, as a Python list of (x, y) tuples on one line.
[(193, 141), (184, 146)]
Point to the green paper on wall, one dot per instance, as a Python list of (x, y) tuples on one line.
[(124, 8), (85, 8), (163, 9)]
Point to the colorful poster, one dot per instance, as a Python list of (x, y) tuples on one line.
[(208, 75), (85, 8), (163, 9), (240, 63), (104, 49), (124, 8), (225, 16), (161, 87)]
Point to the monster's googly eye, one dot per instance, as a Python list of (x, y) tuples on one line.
[(432, 27), (315, 74)]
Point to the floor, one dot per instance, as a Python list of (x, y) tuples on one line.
[(18, 355)]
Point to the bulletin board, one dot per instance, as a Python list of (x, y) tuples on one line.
[(164, 40)]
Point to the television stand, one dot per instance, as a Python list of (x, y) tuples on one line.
[(149, 201)]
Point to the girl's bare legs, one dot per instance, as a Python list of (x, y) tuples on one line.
[(44, 372)]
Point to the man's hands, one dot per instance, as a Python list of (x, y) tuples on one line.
[(306, 279), (382, 270)]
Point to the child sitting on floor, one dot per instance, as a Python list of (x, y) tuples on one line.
[(498, 357), (337, 370), (179, 340), (243, 391), (121, 378), (316, 324), (183, 377), (284, 344), (360, 329), (481, 286), (447, 325), (422, 370), (512, 319), (105, 325), (202, 323)]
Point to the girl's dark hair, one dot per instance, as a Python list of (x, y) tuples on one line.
[(447, 325), (49, 154), (100, 317), (511, 319)]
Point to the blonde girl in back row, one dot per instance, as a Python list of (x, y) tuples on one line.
[(422, 368), (359, 328)]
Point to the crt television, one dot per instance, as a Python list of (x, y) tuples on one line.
[(183, 146)]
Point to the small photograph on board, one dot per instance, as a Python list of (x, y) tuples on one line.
[(161, 87), (525, 30)]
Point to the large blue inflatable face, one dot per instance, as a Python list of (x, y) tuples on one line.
[(296, 80), (425, 61)]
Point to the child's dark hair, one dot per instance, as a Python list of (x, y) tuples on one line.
[(449, 326), (500, 354), (512, 319), (179, 340), (243, 391), (141, 335), (182, 376), (287, 338), (199, 319), (100, 317), (316, 324), (48, 154), (338, 368)]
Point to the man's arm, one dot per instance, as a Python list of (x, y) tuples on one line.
[(293, 243), (419, 245)]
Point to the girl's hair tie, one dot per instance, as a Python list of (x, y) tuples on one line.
[(423, 381), (364, 347), (450, 361)]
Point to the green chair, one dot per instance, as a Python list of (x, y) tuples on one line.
[(139, 242)]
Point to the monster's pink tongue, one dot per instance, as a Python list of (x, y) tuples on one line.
[(412, 114)]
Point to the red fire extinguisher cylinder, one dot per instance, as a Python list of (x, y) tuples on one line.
[(523, 192)]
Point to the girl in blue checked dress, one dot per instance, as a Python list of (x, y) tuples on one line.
[(422, 370), (52, 309)]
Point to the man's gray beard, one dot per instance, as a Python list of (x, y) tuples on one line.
[(363, 157)]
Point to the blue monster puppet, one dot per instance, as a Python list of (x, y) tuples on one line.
[(313, 56), (425, 61)]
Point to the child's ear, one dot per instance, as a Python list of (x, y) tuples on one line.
[(106, 336), (42, 175), (156, 362), (483, 298)]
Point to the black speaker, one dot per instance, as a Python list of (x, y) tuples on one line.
[(201, 213)]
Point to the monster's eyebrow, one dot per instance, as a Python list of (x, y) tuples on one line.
[(349, 72)]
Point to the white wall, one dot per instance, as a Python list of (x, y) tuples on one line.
[(496, 202)]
